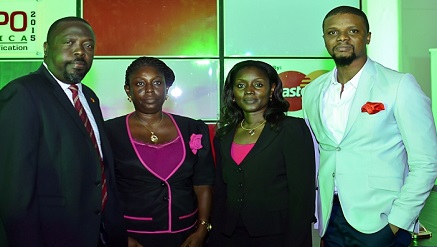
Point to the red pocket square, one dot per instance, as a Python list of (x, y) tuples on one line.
[(372, 107)]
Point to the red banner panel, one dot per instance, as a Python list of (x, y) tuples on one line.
[(153, 27)]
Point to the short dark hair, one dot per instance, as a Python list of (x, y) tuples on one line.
[(153, 62), (347, 10), (59, 21), (231, 114)]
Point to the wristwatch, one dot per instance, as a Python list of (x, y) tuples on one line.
[(208, 225)]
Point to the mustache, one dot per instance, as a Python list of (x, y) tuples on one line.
[(344, 45), (78, 60)]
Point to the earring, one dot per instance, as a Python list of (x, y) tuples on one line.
[(166, 97), (129, 99), (270, 98)]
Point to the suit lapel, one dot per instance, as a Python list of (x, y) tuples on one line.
[(94, 106), (62, 98), (362, 94), (226, 142), (319, 106), (265, 138)]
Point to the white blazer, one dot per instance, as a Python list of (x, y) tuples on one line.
[(386, 164)]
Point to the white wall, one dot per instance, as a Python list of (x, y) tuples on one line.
[(419, 34), (403, 31), (383, 21)]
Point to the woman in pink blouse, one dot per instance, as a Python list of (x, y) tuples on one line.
[(163, 163)]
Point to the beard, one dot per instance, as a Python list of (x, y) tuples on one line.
[(344, 61), (75, 76)]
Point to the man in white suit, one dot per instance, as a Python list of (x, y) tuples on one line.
[(377, 141)]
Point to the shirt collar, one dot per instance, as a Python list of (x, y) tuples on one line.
[(352, 82)]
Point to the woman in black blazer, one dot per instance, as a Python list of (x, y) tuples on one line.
[(265, 177)]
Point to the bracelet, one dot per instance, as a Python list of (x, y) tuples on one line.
[(208, 225)]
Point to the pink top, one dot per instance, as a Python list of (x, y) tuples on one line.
[(158, 158), (177, 143), (240, 151)]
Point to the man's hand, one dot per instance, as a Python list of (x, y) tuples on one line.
[(393, 228)]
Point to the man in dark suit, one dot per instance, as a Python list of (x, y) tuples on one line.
[(51, 178)]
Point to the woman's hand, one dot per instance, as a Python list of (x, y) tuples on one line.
[(197, 238), (133, 243)]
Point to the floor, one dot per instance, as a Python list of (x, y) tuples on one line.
[(428, 218)]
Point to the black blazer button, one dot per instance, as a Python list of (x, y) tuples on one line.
[(97, 212), (162, 184)]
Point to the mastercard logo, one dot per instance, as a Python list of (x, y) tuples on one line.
[(293, 82)]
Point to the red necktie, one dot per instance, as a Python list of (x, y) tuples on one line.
[(86, 122)]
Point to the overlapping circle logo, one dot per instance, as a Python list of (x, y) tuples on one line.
[(293, 83)]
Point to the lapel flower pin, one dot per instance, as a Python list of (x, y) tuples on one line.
[(372, 107), (196, 142), (92, 100)]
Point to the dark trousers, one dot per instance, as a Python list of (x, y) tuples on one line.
[(340, 234), (162, 239), (241, 238)]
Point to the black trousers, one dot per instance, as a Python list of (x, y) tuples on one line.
[(241, 238), (340, 234)]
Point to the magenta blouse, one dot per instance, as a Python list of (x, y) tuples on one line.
[(240, 151)]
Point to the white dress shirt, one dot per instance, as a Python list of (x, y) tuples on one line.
[(337, 102), (336, 105)]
